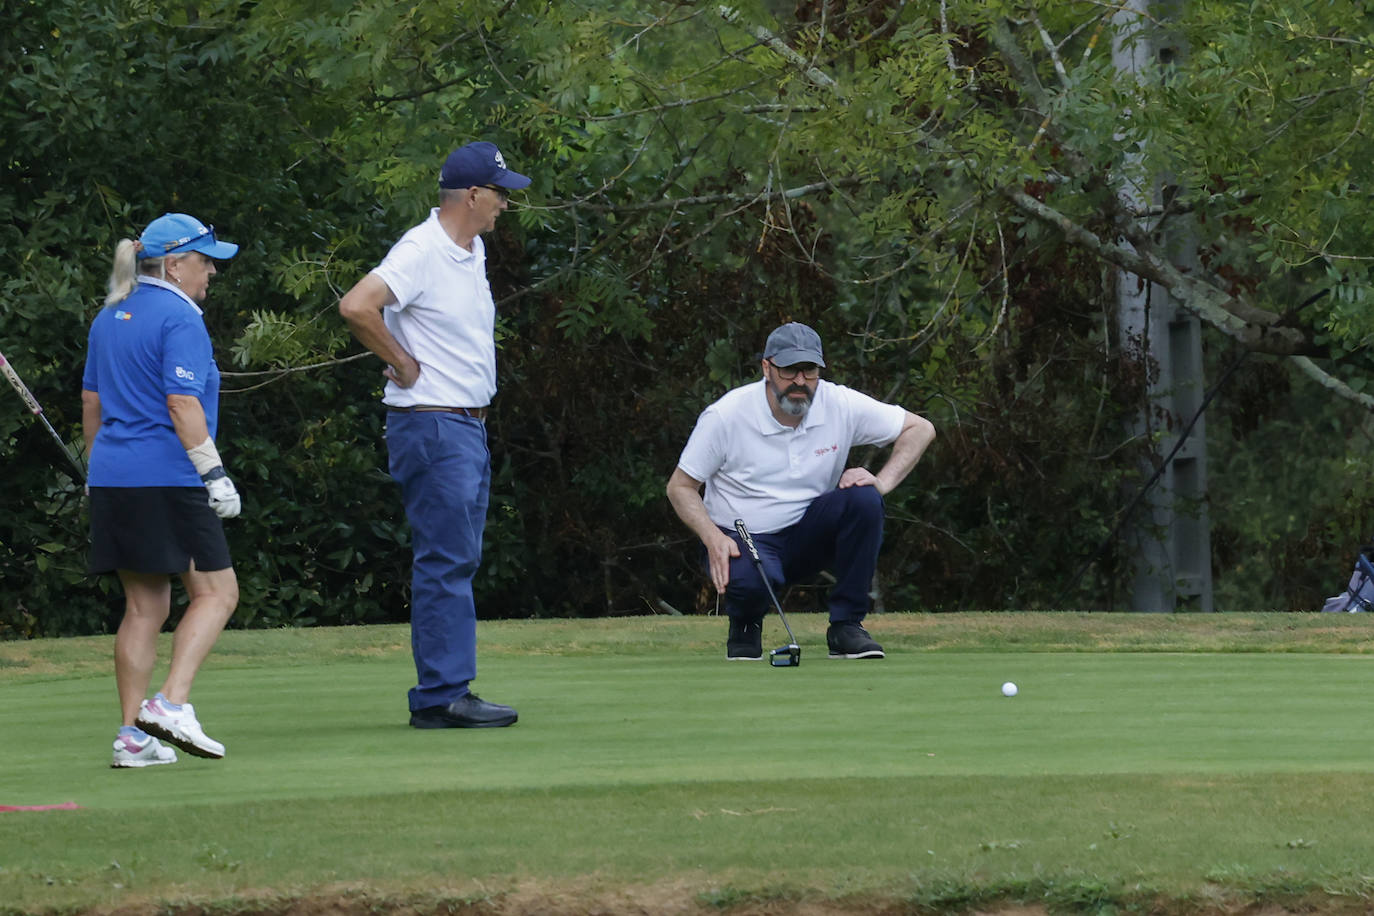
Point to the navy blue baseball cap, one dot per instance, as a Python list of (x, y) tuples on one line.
[(479, 164), (177, 233)]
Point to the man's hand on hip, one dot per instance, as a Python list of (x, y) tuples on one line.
[(405, 376)]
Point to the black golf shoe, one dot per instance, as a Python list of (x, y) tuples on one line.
[(470, 711), (847, 639), (745, 642)]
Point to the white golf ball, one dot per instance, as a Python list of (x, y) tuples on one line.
[(1008, 689)]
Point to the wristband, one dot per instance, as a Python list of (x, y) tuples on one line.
[(205, 457)]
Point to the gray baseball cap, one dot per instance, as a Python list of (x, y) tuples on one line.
[(793, 343)]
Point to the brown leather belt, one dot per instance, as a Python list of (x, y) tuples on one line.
[(477, 413)]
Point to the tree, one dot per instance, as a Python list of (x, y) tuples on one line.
[(933, 185)]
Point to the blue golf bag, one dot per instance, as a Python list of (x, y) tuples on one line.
[(1359, 594)]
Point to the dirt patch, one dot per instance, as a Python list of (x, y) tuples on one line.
[(523, 903), (677, 898)]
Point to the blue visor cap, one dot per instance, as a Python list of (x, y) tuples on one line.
[(179, 233)]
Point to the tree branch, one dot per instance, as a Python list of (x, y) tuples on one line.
[(780, 47), (1252, 327), (1333, 384), (734, 198)]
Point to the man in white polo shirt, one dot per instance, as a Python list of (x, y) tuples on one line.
[(773, 453), (427, 311)]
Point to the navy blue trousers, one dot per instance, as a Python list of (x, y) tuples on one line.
[(443, 465), (841, 531)]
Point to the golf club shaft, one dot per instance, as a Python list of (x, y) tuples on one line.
[(37, 410), (758, 561)]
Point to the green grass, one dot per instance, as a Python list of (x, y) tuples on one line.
[(1184, 759)]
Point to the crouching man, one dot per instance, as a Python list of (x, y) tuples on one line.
[(773, 454)]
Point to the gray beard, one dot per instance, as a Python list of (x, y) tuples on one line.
[(790, 407)]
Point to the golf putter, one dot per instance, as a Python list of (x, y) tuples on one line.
[(788, 656)]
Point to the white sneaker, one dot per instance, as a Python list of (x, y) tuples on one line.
[(156, 717), (129, 753)]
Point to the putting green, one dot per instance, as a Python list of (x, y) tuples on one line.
[(1124, 774), (325, 730)]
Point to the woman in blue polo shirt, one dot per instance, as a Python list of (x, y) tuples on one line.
[(158, 489)]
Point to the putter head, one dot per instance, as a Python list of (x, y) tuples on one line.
[(788, 656)]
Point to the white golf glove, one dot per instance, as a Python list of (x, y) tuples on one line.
[(224, 499)]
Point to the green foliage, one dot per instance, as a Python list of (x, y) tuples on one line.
[(95, 167), (697, 179), (1295, 518)]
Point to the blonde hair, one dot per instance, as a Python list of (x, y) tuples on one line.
[(123, 279)]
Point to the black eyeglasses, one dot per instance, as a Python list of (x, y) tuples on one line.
[(504, 192), (808, 371)]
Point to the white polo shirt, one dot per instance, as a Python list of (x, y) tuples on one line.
[(768, 474), (444, 316)]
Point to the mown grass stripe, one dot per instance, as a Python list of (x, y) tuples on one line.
[(1113, 773)]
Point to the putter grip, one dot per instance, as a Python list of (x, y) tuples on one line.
[(747, 538)]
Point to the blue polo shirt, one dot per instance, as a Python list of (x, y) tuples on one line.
[(140, 350)]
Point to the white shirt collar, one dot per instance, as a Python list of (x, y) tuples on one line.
[(448, 245), (156, 281)]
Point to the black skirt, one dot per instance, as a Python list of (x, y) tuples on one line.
[(155, 530)]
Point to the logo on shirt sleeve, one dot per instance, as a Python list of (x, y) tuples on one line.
[(121, 315), (186, 374)]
